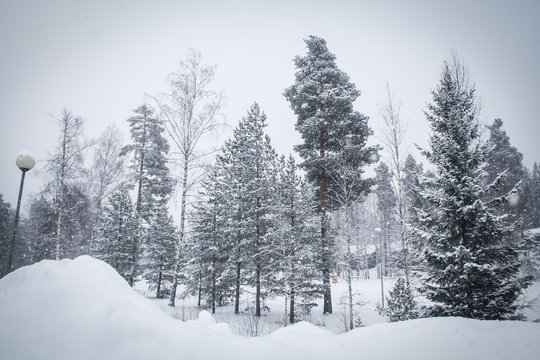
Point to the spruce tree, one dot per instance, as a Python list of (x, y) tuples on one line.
[(149, 174), (159, 253), (294, 272), (386, 205), (531, 198), (249, 177), (117, 240), (473, 259), (400, 302), (322, 97), (42, 228), (209, 249), (413, 173), (258, 180), (504, 159)]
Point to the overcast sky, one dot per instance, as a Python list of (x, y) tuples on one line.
[(100, 58)]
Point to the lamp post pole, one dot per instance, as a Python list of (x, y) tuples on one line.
[(25, 162), (379, 232)]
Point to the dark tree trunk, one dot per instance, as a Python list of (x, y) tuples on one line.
[(258, 269), (238, 266), (214, 270), (158, 291), (327, 295)]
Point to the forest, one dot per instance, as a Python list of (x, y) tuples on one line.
[(457, 227)]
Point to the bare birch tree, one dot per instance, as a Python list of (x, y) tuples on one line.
[(189, 111), (106, 171), (393, 134), (66, 165), (349, 188)]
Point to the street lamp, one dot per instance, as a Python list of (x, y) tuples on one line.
[(25, 162), (379, 231)]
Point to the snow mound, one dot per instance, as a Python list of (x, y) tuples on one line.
[(204, 319), (82, 309)]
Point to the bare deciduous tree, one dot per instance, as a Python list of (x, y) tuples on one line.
[(190, 111), (106, 171), (65, 166), (393, 134)]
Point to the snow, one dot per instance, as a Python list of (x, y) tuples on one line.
[(82, 309)]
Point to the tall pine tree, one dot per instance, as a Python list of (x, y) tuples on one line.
[(150, 175), (322, 97)]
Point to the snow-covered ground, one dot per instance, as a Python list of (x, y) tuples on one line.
[(82, 309), (367, 293)]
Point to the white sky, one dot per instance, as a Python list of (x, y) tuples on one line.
[(100, 58)]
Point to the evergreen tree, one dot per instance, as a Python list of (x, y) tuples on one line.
[(505, 160), (258, 179), (400, 303), (249, 177), (209, 247), (503, 157), (413, 173), (386, 204), (42, 228), (531, 198), (294, 272), (117, 243), (322, 97), (473, 260), (150, 173), (159, 251)]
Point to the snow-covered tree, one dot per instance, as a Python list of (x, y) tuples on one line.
[(400, 302), (256, 177), (387, 205), (532, 195), (505, 158), (322, 97), (295, 273), (208, 246), (472, 256), (189, 111), (159, 253), (42, 228), (149, 172), (393, 136), (117, 240), (106, 173), (65, 168)]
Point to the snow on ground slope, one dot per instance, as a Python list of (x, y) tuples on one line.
[(82, 309)]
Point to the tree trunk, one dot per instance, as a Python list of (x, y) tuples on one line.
[(180, 242), (258, 268), (200, 287), (327, 292), (158, 291), (61, 194), (214, 270), (293, 259), (349, 264), (238, 266)]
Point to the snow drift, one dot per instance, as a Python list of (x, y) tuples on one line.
[(82, 309)]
